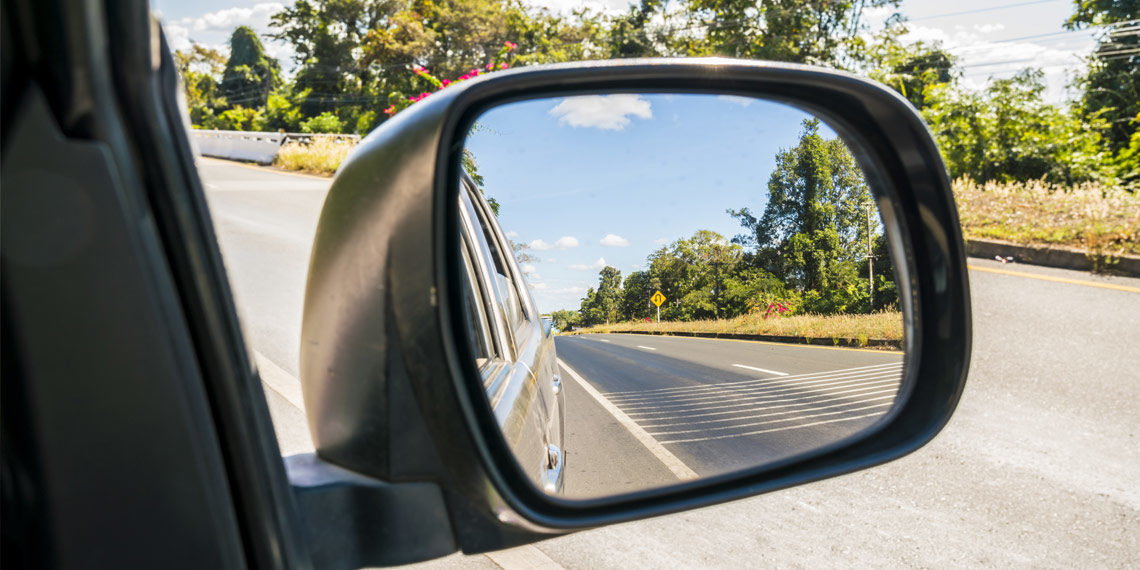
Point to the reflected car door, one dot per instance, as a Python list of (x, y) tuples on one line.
[(516, 360)]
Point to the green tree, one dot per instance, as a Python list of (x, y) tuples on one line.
[(565, 320), (913, 70), (1112, 84), (1009, 133), (201, 69), (632, 34), (691, 273), (636, 291), (249, 75), (327, 38), (826, 32), (324, 123), (814, 227), (608, 296), (601, 305)]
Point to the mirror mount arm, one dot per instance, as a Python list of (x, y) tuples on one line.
[(355, 521)]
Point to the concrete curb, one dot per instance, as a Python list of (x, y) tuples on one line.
[(840, 342), (1048, 256)]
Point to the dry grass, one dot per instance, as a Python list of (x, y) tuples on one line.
[(886, 325), (1099, 221), (321, 156)]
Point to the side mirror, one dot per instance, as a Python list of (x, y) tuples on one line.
[(427, 366)]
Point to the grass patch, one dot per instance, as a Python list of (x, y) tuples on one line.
[(1102, 222), (885, 325), (322, 155)]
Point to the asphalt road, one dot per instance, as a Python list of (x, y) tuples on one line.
[(1038, 467), (713, 406)]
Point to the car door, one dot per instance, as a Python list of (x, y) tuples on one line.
[(517, 357)]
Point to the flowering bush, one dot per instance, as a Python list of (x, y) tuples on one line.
[(402, 102)]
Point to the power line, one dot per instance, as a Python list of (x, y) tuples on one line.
[(989, 9)]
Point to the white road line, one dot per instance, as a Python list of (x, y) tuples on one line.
[(678, 467), (523, 558), (280, 381), (735, 415), (764, 370), (646, 347), (669, 431), (799, 380), (600, 339), (773, 430), (705, 399)]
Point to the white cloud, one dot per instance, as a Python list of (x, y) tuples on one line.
[(256, 17), (612, 240), (538, 286), (528, 269), (661, 241), (982, 59), (512, 234), (213, 30), (988, 28), (606, 112), (568, 291), (566, 242), (596, 266), (737, 100)]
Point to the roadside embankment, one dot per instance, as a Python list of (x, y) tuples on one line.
[(882, 330), (1084, 227)]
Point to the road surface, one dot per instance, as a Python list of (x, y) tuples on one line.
[(1037, 468), (709, 406)]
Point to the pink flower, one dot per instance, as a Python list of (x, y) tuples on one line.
[(391, 110), (446, 82), (511, 45), (490, 66), (503, 65)]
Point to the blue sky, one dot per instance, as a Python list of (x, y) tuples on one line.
[(606, 180)]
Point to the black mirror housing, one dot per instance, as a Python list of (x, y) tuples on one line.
[(391, 392)]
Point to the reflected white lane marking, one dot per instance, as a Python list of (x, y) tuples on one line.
[(764, 370), (678, 467), (773, 430), (646, 347), (600, 339)]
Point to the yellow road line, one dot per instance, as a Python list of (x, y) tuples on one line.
[(1084, 282), (266, 169)]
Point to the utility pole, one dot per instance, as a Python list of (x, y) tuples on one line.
[(870, 259), (716, 292)]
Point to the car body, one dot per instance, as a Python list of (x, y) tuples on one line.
[(515, 351)]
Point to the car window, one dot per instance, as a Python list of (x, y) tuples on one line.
[(475, 311), (486, 271), (507, 283)]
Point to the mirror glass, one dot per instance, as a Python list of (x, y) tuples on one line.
[(665, 287)]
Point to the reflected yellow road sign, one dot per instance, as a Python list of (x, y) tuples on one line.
[(657, 298)]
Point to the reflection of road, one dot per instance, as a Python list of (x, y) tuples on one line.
[(718, 406)]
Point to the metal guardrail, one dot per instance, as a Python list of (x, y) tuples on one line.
[(252, 146)]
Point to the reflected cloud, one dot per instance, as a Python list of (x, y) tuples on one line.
[(606, 112)]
